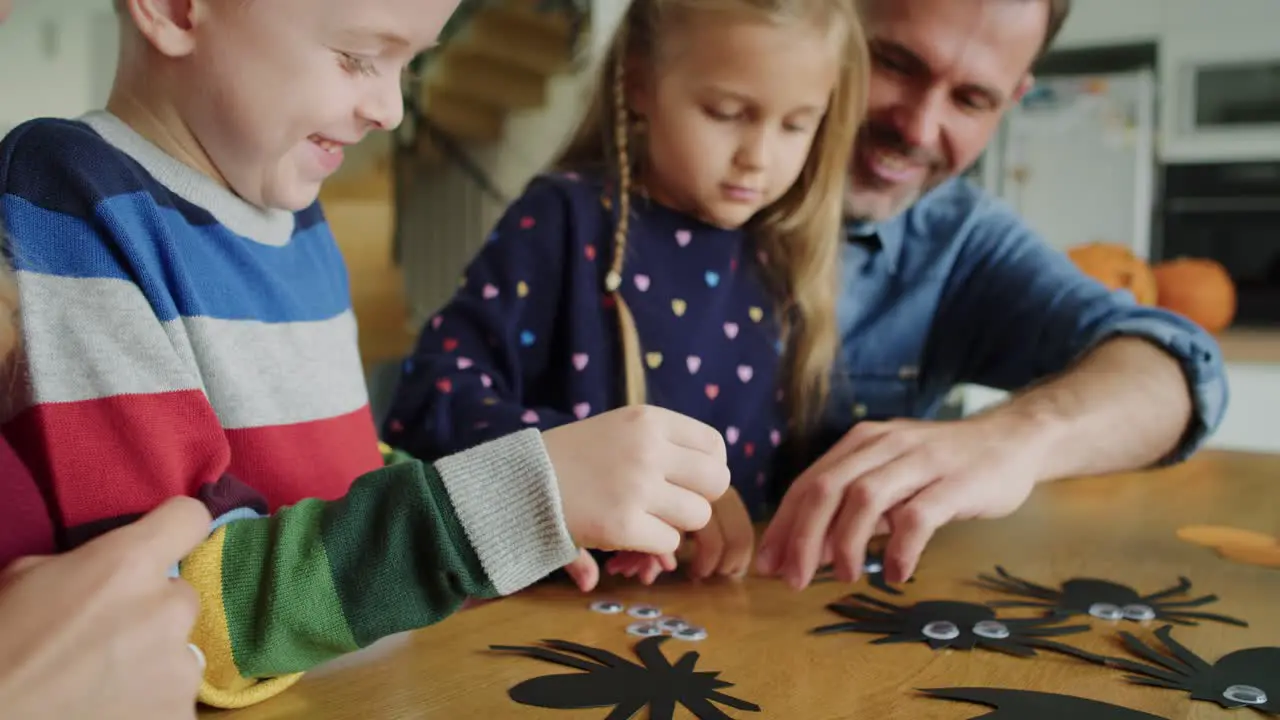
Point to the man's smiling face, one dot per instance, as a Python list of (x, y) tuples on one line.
[(943, 73)]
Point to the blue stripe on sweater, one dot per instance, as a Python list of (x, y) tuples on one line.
[(183, 270)]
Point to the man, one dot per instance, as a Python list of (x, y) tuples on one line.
[(946, 286)]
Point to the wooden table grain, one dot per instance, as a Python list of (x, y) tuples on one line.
[(1118, 527)]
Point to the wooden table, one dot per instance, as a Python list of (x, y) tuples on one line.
[(1117, 527)]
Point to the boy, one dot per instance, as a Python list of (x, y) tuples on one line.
[(187, 331)]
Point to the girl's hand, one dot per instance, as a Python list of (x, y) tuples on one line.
[(724, 547), (637, 478), (640, 565)]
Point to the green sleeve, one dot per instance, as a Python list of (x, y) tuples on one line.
[(406, 546)]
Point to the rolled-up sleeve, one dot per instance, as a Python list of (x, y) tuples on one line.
[(1015, 311)]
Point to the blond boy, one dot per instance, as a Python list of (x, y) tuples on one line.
[(187, 330)]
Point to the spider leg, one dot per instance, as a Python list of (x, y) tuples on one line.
[(653, 659), (1016, 587), (868, 600), (1166, 669), (1050, 631), (1009, 646), (1182, 618), (904, 638), (1180, 651), (628, 708), (1183, 585), (700, 708), (878, 582), (853, 612), (1065, 649), (731, 701), (601, 656), (686, 663), (854, 627), (1153, 682), (551, 655), (1029, 587), (1187, 603), (1020, 604)]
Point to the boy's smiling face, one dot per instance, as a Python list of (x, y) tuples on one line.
[(272, 90)]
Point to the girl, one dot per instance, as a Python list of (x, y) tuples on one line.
[(684, 254)]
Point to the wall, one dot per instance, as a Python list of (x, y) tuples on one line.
[(58, 58), (449, 217)]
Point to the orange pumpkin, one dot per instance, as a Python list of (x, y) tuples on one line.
[(1116, 267), (1198, 288)]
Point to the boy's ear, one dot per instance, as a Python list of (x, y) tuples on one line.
[(167, 24)]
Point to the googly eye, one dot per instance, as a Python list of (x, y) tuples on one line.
[(645, 612), (606, 607), (1138, 613), (991, 630), (644, 629), (673, 624), (1106, 611), (690, 633), (941, 630), (1245, 695)]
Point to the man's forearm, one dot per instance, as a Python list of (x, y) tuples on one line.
[(1124, 405)]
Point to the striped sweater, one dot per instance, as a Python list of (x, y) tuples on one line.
[(173, 332), (179, 341)]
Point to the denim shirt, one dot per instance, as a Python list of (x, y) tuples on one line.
[(958, 289)]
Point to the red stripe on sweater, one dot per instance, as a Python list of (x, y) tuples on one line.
[(126, 454), (318, 459)]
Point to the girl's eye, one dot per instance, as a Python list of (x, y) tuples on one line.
[(356, 65), (717, 114)]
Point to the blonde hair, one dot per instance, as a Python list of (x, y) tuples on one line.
[(799, 232)]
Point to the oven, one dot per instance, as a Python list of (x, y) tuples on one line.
[(1229, 212)]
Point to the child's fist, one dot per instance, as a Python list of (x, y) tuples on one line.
[(637, 478)]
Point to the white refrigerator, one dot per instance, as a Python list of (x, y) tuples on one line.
[(1076, 159)]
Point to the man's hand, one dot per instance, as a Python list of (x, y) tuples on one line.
[(102, 631), (909, 477)]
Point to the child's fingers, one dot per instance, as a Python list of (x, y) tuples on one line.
[(584, 571), (710, 549), (737, 533), (651, 571)]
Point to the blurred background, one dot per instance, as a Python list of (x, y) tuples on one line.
[(1149, 151)]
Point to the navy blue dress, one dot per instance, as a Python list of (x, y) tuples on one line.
[(532, 339)]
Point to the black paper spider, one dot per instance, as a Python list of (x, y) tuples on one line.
[(950, 624), (1104, 599), (1243, 678), (627, 687), (872, 570), (1022, 704)]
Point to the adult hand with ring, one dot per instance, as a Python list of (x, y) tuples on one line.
[(103, 631)]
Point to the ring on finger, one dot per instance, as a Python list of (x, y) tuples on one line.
[(199, 656)]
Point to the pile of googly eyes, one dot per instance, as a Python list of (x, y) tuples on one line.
[(651, 622)]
